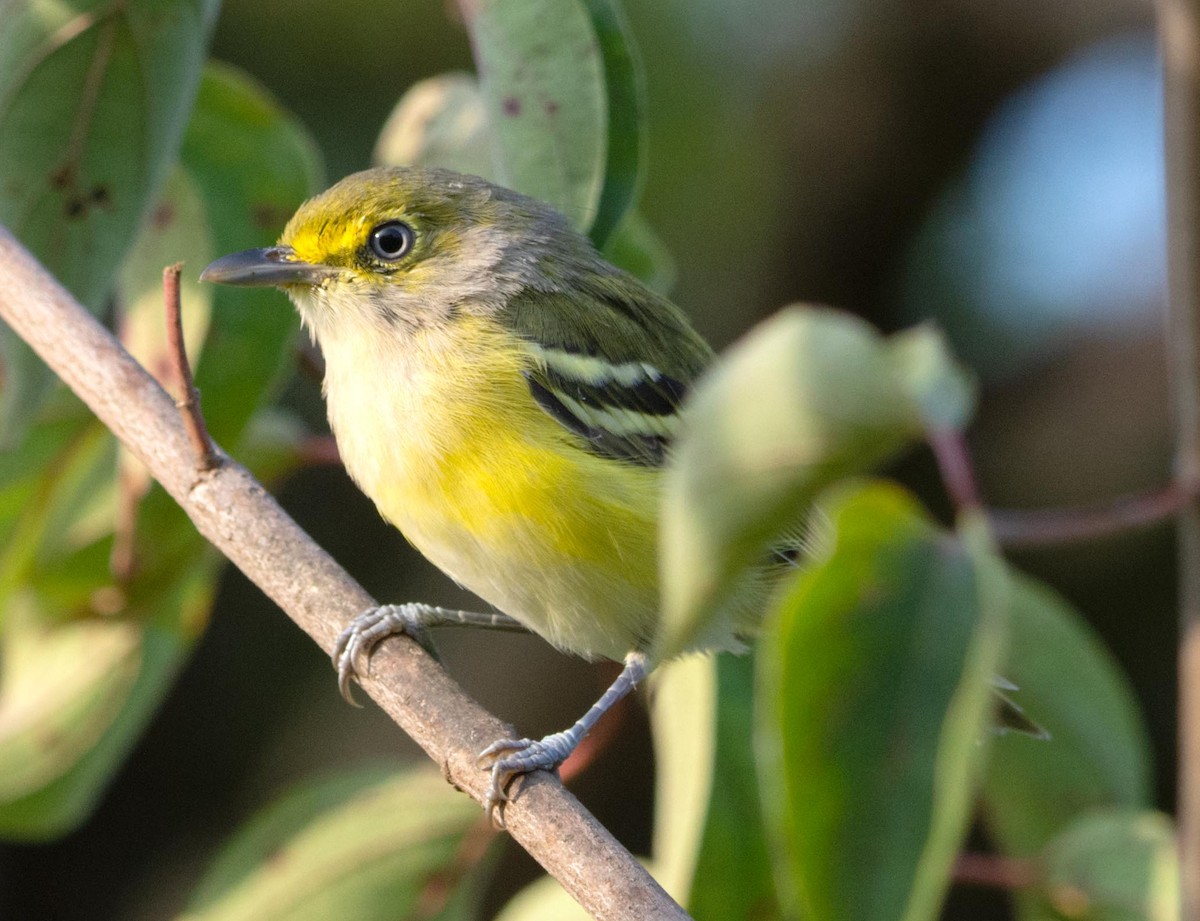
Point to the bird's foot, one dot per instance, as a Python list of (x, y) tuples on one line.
[(352, 652), (510, 758)]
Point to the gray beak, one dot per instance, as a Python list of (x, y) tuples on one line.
[(274, 266)]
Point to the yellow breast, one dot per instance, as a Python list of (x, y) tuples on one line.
[(444, 436)]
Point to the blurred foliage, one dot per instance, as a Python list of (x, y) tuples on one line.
[(861, 154), (79, 80), (98, 553)]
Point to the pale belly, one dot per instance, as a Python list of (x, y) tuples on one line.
[(497, 495)]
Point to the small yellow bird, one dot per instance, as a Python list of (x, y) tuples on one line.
[(507, 398)]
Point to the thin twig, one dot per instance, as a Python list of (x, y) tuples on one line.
[(319, 451), (992, 871), (1179, 38), (954, 463), (1016, 530), (237, 515), (188, 399)]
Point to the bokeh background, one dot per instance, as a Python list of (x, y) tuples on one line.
[(995, 164)]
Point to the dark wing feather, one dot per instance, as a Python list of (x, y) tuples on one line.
[(611, 363)]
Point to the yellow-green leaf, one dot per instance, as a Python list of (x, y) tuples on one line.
[(809, 396), (362, 846), (874, 693)]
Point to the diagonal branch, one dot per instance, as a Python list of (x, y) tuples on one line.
[(238, 516)]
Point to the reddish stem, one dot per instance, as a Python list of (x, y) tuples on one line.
[(1022, 529), (954, 462), (992, 871), (188, 399)]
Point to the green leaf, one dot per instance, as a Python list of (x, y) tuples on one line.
[(93, 101), (62, 688), (943, 389), (543, 900), (1098, 753), (637, 249), (562, 95), (253, 164), (732, 878), (626, 117), (809, 396), (710, 846), (60, 523), (441, 121), (67, 500), (362, 846), (874, 691), (1112, 865), (78, 734)]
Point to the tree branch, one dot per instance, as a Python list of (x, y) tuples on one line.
[(1179, 34), (1021, 530), (238, 516)]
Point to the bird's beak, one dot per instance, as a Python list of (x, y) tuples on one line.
[(274, 266)]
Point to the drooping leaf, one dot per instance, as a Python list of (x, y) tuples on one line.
[(942, 389), (810, 396), (1098, 753), (176, 231), (365, 846), (120, 671), (636, 248), (625, 156), (684, 718), (443, 121), (94, 98), (874, 692), (732, 877), (565, 114), (62, 688), (543, 900)]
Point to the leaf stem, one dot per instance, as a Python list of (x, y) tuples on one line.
[(1019, 530), (993, 871), (954, 462)]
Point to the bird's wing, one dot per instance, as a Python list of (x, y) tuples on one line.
[(611, 363)]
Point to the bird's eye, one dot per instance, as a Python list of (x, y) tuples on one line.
[(392, 240)]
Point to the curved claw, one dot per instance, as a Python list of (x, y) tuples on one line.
[(359, 639), (511, 758)]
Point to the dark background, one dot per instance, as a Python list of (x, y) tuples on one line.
[(992, 163)]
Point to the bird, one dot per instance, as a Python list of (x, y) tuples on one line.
[(508, 399)]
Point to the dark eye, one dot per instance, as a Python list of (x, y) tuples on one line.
[(392, 240)]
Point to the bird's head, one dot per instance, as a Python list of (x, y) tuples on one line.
[(404, 248)]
